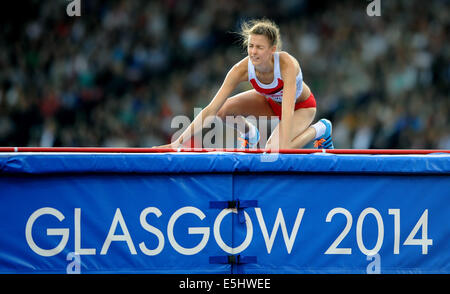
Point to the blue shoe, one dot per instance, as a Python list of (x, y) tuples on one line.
[(325, 141), (249, 143)]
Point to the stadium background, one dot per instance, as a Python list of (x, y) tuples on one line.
[(116, 75)]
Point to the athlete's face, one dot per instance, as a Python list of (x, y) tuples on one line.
[(259, 49)]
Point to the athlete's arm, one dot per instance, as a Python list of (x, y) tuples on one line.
[(288, 74), (236, 75)]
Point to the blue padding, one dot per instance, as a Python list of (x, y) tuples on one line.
[(239, 204), (168, 213), (232, 259), (222, 162)]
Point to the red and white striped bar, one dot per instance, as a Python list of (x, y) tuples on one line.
[(203, 150)]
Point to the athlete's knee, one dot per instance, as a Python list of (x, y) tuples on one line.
[(223, 112)]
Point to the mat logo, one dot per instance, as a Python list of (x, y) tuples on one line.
[(125, 236)]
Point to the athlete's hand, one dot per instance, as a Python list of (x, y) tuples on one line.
[(173, 145)]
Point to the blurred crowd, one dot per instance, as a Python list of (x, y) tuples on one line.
[(116, 75)]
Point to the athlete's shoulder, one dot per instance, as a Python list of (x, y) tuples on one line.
[(285, 57), (287, 60), (240, 69), (242, 65)]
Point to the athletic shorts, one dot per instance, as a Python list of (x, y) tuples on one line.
[(276, 107)]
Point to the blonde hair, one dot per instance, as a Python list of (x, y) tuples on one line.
[(263, 27)]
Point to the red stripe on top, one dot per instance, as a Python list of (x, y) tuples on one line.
[(164, 150), (277, 89)]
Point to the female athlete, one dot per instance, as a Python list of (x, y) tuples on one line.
[(278, 90)]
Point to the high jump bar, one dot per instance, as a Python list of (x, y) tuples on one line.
[(205, 150)]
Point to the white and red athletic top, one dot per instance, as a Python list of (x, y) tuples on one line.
[(273, 90)]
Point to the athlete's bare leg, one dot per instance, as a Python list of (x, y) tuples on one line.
[(242, 105), (303, 133), (251, 103)]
